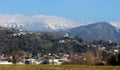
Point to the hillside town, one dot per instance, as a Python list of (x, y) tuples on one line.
[(55, 50)]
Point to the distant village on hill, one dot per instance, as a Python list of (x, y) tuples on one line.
[(22, 47)]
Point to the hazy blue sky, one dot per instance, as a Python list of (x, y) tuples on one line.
[(76, 10)]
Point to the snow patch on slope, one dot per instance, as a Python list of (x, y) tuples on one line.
[(117, 25)]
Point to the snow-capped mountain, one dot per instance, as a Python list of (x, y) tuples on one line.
[(36, 23)]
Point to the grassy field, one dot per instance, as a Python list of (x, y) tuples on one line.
[(57, 67)]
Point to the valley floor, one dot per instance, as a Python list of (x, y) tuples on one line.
[(57, 67)]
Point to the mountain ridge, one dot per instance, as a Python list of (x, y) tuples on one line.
[(96, 31), (36, 23)]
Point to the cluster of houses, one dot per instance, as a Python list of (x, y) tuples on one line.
[(45, 59)]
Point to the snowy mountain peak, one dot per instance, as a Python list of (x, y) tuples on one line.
[(36, 23)]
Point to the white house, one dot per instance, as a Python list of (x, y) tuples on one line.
[(33, 61), (5, 62), (57, 61)]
